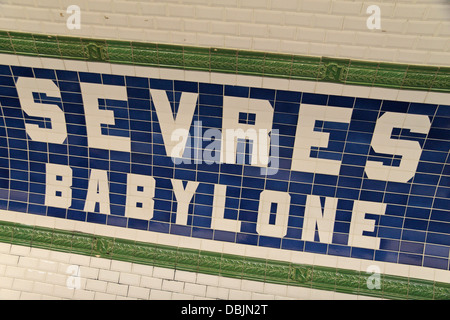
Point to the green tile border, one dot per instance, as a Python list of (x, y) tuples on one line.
[(227, 265), (335, 70)]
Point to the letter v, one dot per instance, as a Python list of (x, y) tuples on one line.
[(171, 125)]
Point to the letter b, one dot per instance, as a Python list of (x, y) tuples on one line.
[(58, 182)]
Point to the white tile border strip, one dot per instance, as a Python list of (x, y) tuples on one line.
[(227, 247), (129, 280)]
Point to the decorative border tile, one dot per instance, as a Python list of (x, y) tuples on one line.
[(221, 264), (342, 71)]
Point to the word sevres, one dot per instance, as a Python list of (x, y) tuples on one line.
[(175, 129)]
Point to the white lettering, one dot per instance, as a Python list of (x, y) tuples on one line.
[(217, 220), (58, 180), (359, 224), (174, 128), (25, 88), (95, 117), (140, 193), (184, 197), (98, 192), (324, 220), (409, 150), (257, 130), (182, 138), (267, 200), (306, 137)]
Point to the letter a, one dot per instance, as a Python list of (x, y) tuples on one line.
[(374, 21), (74, 20)]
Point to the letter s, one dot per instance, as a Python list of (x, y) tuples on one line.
[(409, 150), (25, 88)]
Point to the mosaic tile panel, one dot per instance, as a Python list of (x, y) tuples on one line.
[(348, 177)]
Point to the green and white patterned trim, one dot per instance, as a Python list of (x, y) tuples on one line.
[(286, 66), (221, 264)]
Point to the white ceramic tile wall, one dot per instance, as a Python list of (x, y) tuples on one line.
[(412, 31), (31, 273)]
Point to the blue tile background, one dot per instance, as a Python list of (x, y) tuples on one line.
[(415, 229)]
